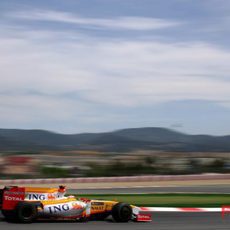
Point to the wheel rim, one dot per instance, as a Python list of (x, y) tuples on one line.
[(125, 213), (26, 212)]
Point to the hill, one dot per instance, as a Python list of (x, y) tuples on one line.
[(117, 141)]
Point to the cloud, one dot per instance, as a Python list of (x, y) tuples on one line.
[(121, 23), (65, 78), (114, 72)]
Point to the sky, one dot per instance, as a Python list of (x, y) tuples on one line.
[(73, 66)]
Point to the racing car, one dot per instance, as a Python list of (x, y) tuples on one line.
[(27, 204)]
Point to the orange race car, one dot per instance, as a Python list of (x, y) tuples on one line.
[(26, 204)]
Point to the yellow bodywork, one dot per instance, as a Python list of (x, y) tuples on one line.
[(100, 206), (41, 190), (97, 206)]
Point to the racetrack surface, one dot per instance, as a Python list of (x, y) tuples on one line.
[(161, 221), (181, 189)]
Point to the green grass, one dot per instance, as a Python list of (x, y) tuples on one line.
[(166, 199)]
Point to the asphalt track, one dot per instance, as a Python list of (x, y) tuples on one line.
[(178, 189), (161, 221)]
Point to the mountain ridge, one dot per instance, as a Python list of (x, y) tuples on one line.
[(123, 140)]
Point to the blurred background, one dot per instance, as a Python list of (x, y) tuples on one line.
[(128, 152), (93, 88)]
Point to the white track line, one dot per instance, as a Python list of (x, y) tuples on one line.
[(171, 209)]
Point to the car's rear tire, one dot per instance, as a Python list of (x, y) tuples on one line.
[(122, 212), (26, 212)]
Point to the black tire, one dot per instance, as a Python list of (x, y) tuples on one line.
[(122, 212), (26, 212)]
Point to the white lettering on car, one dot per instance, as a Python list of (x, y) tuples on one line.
[(13, 198)]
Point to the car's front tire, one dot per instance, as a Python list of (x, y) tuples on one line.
[(122, 212)]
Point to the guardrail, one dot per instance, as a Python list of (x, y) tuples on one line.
[(148, 178)]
